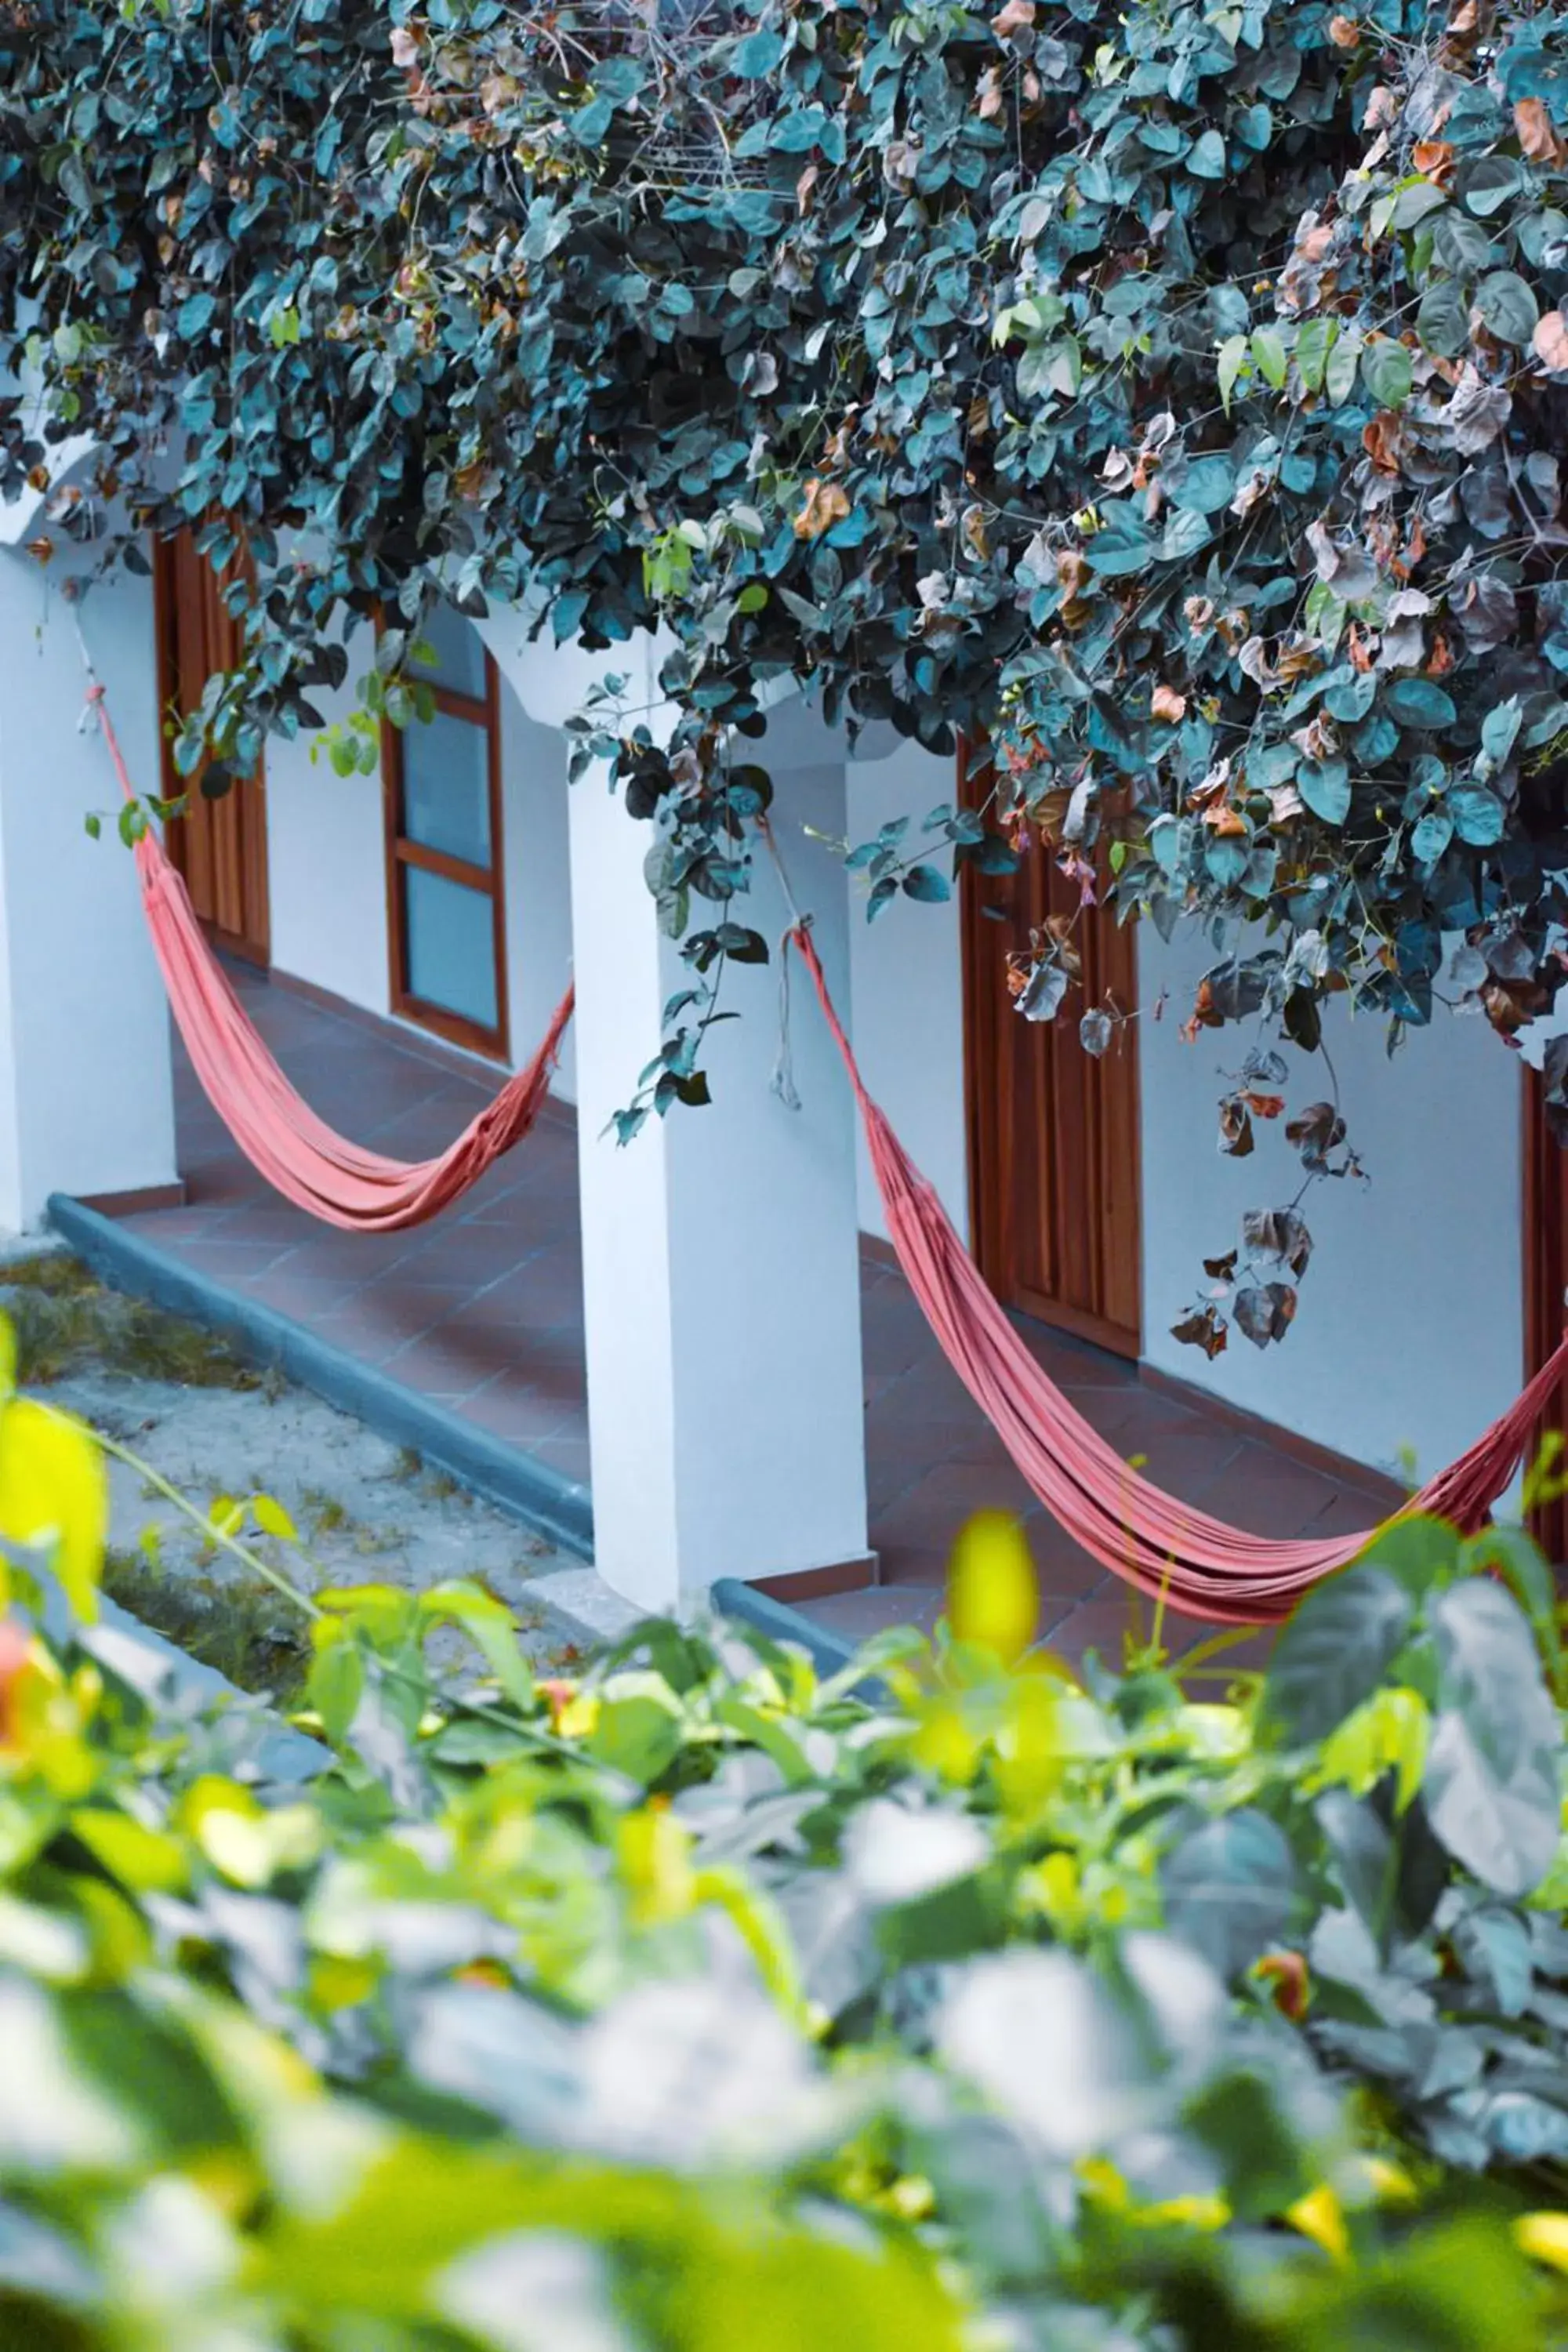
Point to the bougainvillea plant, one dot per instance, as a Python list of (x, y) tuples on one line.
[(1171, 394)]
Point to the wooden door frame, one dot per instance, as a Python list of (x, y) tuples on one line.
[(457, 1028), (985, 1011), (256, 885), (1544, 1164)]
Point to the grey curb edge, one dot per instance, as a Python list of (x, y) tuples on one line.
[(560, 1508)]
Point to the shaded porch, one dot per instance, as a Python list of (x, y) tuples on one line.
[(481, 1312)]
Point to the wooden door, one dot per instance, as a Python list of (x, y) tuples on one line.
[(1546, 1257), (219, 845), (1053, 1130)]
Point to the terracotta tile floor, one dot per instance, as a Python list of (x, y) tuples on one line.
[(482, 1309)]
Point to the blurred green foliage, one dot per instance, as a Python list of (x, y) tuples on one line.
[(954, 2001)]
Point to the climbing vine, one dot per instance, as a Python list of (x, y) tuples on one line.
[(1170, 394)]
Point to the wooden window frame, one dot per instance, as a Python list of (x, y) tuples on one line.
[(457, 1028)]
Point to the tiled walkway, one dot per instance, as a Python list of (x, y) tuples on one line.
[(482, 1309)]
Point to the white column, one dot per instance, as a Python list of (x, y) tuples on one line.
[(720, 1252), (86, 1089)]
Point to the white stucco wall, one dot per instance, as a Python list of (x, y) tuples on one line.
[(538, 876), (326, 862), (327, 871), (906, 986), (86, 1092), (1409, 1330)]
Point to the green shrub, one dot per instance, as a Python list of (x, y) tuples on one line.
[(705, 2004)]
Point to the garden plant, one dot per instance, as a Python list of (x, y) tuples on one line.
[(954, 2000)]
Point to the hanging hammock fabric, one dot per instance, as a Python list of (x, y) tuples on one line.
[(1167, 1548), (319, 1170), (1164, 1547)]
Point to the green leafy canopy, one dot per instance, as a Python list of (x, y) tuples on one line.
[(1173, 393)]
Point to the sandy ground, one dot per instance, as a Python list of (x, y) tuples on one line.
[(366, 1512)]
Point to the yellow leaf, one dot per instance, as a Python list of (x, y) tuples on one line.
[(1206, 2214), (655, 1864), (993, 1600), (1390, 1732), (1389, 2183), (247, 1841), (1321, 2217), (273, 1519), (337, 1982), (53, 1491), (226, 1517), (1102, 2184), (1544, 2237), (146, 1860), (947, 1742), (578, 1719)]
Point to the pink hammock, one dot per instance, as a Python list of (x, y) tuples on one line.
[(276, 1128), (1164, 1548)]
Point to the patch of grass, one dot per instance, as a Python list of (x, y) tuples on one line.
[(238, 1624), (327, 1513), (53, 1272), (67, 1321), (408, 1463), (328, 1516)]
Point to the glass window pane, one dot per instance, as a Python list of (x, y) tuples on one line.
[(458, 649), (446, 786), (451, 946)]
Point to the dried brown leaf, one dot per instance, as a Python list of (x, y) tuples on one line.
[(1236, 1136), (1315, 1132), (1265, 1311), (1550, 340), (1278, 1232), (826, 504), (1536, 131), (1015, 17), (1203, 1329)]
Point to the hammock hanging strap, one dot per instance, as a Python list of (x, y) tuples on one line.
[(1164, 1547), (320, 1171)]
